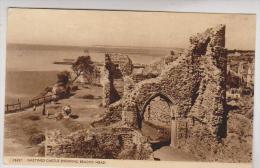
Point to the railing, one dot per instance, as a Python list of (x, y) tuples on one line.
[(13, 107), (41, 100), (10, 108)]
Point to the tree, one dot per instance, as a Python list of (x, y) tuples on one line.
[(64, 77), (83, 64), (91, 77), (62, 87)]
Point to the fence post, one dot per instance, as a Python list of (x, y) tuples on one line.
[(20, 105)]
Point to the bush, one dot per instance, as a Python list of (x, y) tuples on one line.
[(36, 138), (63, 77), (48, 89), (41, 151)]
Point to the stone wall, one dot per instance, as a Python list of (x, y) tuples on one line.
[(113, 115), (153, 70), (158, 112), (175, 82), (116, 67), (195, 82), (102, 143)]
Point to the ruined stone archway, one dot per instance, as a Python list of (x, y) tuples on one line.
[(157, 121)]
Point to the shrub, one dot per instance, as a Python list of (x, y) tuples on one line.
[(48, 89), (41, 151), (36, 138), (63, 77)]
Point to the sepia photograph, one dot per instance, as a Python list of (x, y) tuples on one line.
[(129, 85)]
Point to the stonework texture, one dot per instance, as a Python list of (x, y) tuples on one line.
[(103, 143), (192, 83)]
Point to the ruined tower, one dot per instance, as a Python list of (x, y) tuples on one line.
[(116, 68)]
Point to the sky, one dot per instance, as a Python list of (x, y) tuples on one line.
[(124, 28)]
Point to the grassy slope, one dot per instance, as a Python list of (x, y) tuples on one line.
[(19, 126)]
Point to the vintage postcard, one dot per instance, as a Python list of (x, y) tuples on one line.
[(101, 88)]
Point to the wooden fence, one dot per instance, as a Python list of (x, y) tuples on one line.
[(13, 107), (10, 108), (41, 100)]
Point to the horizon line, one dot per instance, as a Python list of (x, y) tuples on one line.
[(101, 45), (80, 46)]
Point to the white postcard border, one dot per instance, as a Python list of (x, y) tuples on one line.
[(212, 6)]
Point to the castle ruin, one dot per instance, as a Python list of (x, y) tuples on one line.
[(189, 88)]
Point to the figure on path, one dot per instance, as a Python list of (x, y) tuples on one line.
[(34, 108), (44, 109)]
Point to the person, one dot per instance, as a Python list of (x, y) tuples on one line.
[(34, 108), (47, 113), (44, 109)]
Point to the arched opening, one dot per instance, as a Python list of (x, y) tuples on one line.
[(157, 121)]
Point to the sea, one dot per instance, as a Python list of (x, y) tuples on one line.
[(31, 68)]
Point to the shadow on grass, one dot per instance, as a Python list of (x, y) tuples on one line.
[(74, 116)]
